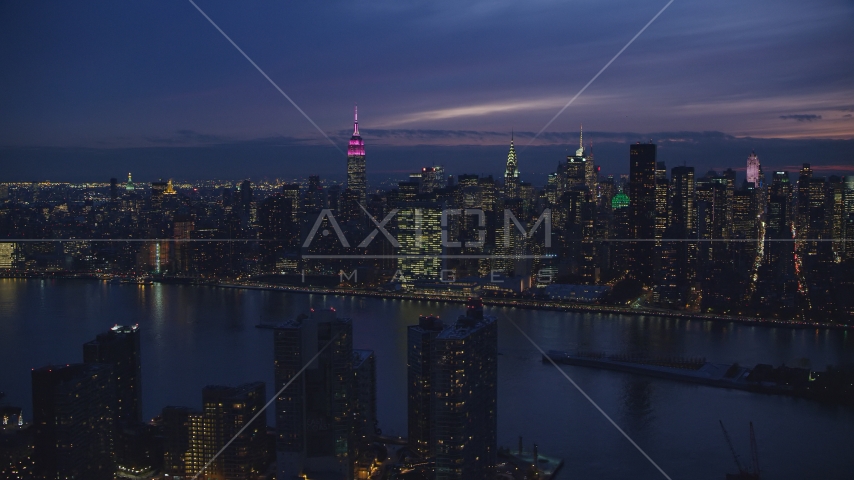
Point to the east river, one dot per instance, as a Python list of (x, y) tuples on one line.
[(195, 336)]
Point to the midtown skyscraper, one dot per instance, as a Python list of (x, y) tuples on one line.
[(511, 173), (356, 177), (642, 207), (683, 211), (754, 171)]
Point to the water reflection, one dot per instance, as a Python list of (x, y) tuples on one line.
[(195, 336)]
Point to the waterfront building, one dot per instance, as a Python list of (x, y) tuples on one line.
[(419, 348), (314, 415), (465, 396), (678, 259), (420, 235), (119, 348)]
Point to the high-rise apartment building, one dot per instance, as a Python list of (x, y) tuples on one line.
[(365, 393), (364, 412), (225, 411), (73, 417), (420, 342), (175, 429), (119, 347), (314, 415), (464, 384)]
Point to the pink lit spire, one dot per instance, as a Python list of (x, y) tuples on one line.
[(355, 120), (357, 145)]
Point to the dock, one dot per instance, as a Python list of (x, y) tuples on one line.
[(703, 373)]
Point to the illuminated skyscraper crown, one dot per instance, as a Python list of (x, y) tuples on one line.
[(357, 146), (512, 165)]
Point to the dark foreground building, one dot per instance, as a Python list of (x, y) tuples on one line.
[(453, 393), (73, 417), (315, 415), (119, 347)]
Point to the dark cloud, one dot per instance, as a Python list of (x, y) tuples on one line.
[(188, 137), (801, 118)]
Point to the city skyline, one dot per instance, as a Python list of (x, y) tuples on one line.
[(575, 235), (197, 106)]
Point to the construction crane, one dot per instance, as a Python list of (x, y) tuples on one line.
[(744, 473), (754, 452)]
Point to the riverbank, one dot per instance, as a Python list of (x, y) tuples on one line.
[(539, 305), (530, 304)]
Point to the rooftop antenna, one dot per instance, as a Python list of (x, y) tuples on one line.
[(355, 119)]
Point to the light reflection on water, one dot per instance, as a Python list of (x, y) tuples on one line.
[(195, 336)]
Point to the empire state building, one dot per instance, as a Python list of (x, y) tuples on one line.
[(356, 181)]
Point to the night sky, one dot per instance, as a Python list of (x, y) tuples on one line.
[(95, 89)]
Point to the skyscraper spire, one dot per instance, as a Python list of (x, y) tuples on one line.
[(511, 174), (356, 177), (355, 120), (512, 163), (581, 137)]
